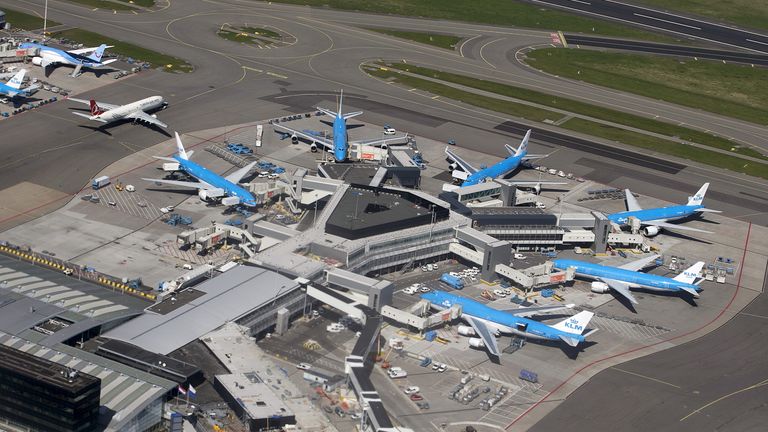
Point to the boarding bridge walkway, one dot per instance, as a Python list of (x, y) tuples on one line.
[(466, 253), (378, 177)]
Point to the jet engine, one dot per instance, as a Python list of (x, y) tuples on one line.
[(313, 148), (294, 139), (600, 287), (453, 166), (476, 343), (651, 231), (384, 146), (537, 189), (153, 115), (466, 330), (37, 61)]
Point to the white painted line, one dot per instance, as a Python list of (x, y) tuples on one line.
[(752, 40), (582, 2), (666, 21)]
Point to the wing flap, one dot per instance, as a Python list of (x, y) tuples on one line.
[(639, 264), (186, 184), (674, 227), (621, 288), (238, 175), (528, 311), (142, 116)]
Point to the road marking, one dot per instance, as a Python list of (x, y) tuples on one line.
[(646, 377), (461, 47), (752, 40), (666, 21), (752, 387), (481, 52), (582, 2)]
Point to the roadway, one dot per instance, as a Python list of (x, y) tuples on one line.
[(666, 49), (672, 22), (717, 382)]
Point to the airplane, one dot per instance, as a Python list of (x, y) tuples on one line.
[(470, 175), (13, 87), (209, 185), (49, 56), (487, 322), (339, 145), (136, 111), (627, 276), (655, 219)]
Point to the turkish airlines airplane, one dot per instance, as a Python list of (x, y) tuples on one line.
[(136, 111)]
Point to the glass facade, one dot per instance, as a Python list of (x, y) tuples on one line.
[(34, 393)]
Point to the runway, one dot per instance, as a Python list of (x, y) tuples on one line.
[(677, 23), (675, 50)]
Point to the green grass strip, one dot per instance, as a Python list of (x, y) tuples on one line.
[(103, 4), (25, 21), (438, 40), (733, 90), (585, 109), (156, 59)]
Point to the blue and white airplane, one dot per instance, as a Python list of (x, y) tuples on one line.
[(655, 219), (210, 186), (79, 58), (12, 88), (469, 175), (622, 278), (488, 322), (339, 144)]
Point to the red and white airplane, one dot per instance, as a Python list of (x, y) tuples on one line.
[(136, 111)]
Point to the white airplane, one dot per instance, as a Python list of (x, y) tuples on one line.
[(136, 111)]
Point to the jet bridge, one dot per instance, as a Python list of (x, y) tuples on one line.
[(208, 237)]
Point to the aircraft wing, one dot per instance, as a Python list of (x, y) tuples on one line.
[(534, 183), (381, 141), (485, 334), (469, 169), (639, 264), (528, 311), (673, 227), (142, 116), (187, 184), (621, 288), (103, 105), (319, 140), (632, 204), (238, 175), (87, 50), (536, 156)]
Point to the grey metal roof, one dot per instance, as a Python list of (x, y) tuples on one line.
[(124, 390), (228, 297)]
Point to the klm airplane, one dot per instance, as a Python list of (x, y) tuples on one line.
[(487, 322), (470, 175), (655, 219), (49, 56), (13, 87), (210, 185), (622, 278), (339, 145)]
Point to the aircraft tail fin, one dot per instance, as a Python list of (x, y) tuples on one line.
[(523, 149), (180, 148), (575, 324), (98, 53), (691, 273), (95, 109), (16, 80), (699, 197)]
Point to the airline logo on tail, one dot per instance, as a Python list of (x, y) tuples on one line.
[(699, 197), (98, 53), (95, 110), (16, 80), (523, 149)]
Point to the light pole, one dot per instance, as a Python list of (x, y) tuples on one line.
[(45, 19)]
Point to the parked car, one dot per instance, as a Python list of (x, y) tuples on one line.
[(411, 390), (303, 366), (389, 131), (417, 397)]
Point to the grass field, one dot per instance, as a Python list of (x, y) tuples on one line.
[(103, 4), (168, 63), (586, 109), (438, 40), (733, 90), (496, 12), (25, 21), (588, 127), (748, 13)]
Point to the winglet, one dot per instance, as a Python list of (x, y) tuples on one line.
[(180, 147)]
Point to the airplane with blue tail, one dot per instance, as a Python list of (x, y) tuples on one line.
[(12, 88), (339, 144), (656, 218), (79, 58), (469, 175), (487, 322), (210, 186), (622, 279)]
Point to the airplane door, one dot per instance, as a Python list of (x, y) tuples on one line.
[(522, 327)]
